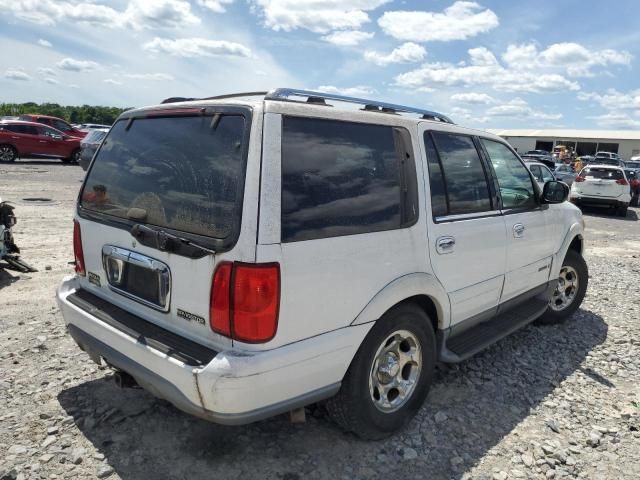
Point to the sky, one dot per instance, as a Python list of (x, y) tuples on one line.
[(487, 64)]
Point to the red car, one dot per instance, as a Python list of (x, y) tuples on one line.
[(54, 122), (29, 139)]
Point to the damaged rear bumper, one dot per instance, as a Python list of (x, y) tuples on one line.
[(231, 387)]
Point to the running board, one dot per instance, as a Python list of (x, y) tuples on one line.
[(456, 347)]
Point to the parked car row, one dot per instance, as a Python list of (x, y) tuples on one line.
[(33, 135)]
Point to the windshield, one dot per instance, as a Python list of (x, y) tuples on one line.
[(94, 136), (183, 173), (602, 173), (633, 164)]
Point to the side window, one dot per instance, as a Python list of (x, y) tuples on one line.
[(547, 176), (342, 178), (436, 179), (536, 171), (461, 173), (516, 187), (63, 127), (48, 132)]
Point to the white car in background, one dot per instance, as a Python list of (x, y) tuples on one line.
[(602, 185)]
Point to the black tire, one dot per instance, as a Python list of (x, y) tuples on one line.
[(353, 408), (575, 261), (622, 211), (73, 158), (8, 153)]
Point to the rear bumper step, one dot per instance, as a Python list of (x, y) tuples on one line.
[(147, 333)]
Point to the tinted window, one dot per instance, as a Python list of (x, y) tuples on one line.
[(464, 177), (24, 129), (182, 173), (436, 179), (59, 125), (341, 178), (602, 173), (516, 187)]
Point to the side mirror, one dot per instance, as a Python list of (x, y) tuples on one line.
[(555, 192)]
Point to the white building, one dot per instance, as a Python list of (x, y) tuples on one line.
[(626, 143)]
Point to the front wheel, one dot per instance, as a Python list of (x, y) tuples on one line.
[(389, 377), (570, 290), (73, 158)]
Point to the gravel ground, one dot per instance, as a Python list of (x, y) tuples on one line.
[(547, 402)]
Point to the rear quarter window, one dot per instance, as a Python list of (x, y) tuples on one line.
[(343, 178)]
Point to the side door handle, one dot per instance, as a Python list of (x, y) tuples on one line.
[(445, 244), (518, 230)]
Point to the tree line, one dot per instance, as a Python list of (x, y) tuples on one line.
[(70, 113)]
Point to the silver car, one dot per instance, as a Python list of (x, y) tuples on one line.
[(564, 173)]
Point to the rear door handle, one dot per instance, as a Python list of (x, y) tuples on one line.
[(518, 230), (445, 244)]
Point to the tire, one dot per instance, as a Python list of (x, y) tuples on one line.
[(8, 153), (622, 211), (73, 158), (573, 264), (355, 408)]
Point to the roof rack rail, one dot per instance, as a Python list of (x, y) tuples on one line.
[(235, 95), (319, 98)]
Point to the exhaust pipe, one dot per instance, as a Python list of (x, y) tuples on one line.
[(124, 380)]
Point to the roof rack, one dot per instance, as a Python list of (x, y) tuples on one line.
[(319, 98)]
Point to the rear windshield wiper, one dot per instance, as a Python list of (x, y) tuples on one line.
[(167, 242)]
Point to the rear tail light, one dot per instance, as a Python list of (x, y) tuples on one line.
[(622, 181), (245, 301), (77, 249), (580, 179)]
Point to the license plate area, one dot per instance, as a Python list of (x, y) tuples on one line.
[(138, 277)]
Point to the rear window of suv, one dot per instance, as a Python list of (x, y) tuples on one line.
[(602, 173), (184, 173)]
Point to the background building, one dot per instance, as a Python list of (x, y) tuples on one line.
[(626, 143)]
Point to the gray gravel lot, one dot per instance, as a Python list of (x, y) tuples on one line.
[(547, 402)]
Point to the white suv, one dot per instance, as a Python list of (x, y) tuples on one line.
[(242, 257), (602, 185)]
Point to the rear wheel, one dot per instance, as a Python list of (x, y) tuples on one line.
[(570, 290), (8, 153), (389, 377)]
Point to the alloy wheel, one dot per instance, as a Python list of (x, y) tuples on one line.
[(395, 371), (566, 289)]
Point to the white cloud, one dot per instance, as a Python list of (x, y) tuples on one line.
[(51, 81), (612, 99), (44, 43), (217, 6), (46, 71), (484, 69), (347, 38), (73, 65), (138, 15), (159, 14), (14, 74), (460, 21), (406, 53), (319, 16), (149, 76), (616, 120), (520, 108), (196, 47), (575, 59), (111, 81), (473, 98), (357, 91)]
